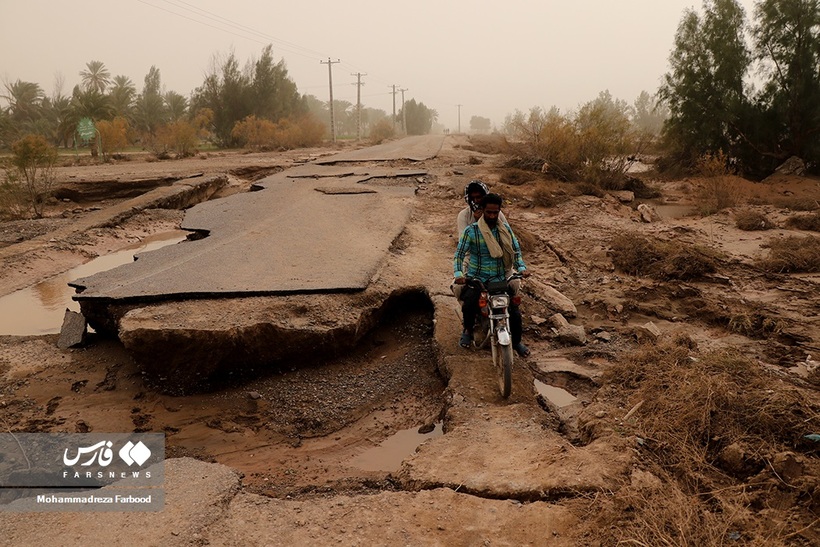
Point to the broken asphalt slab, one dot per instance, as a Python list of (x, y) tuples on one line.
[(287, 238), (536, 464), (414, 148), (180, 194), (205, 504)]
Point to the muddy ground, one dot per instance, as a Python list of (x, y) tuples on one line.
[(305, 431)]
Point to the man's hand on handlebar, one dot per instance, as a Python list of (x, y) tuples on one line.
[(525, 273), (460, 280)]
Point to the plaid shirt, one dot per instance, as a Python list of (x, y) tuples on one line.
[(481, 265)]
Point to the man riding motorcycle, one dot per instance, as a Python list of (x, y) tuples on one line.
[(493, 252)]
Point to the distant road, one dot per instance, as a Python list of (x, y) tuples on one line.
[(415, 148)]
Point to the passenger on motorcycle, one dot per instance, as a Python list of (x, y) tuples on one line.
[(474, 192), (494, 253)]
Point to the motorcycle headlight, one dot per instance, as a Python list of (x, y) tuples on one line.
[(499, 301)]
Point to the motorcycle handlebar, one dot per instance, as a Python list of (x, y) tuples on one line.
[(477, 283)]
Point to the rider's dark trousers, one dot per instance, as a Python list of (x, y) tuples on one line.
[(470, 310)]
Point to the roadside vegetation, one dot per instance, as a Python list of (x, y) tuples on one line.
[(642, 256), (255, 105), (703, 118), (749, 220), (710, 430), (29, 178), (793, 254), (804, 222)]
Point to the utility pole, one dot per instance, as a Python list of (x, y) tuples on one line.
[(358, 85), (330, 81), (394, 106), (403, 113), (459, 117)]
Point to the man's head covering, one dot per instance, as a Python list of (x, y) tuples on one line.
[(475, 186)]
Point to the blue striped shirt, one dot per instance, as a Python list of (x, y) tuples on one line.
[(481, 265)]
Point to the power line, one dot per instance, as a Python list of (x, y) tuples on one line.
[(290, 48), (219, 18), (246, 32)]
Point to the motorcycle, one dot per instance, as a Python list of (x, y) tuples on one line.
[(494, 320)]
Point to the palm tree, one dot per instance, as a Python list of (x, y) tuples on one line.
[(25, 101), (62, 119), (175, 105), (149, 113), (122, 96), (90, 103), (96, 78)]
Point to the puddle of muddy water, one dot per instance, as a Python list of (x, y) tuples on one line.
[(674, 210), (39, 309), (557, 396), (392, 451)]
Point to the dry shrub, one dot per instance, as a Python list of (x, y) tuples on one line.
[(589, 189), (754, 323), (804, 222), (13, 200), (641, 256), (695, 406), (382, 131), (792, 254), (742, 317), (549, 195), (253, 132), (717, 194), (487, 144), (179, 136), (664, 515), (300, 132), (695, 409), (749, 220), (516, 177), (113, 135), (720, 191), (795, 203)]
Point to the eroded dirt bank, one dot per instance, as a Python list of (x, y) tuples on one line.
[(606, 468)]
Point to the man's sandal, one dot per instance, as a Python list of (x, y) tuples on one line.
[(522, 350), (466, 340)]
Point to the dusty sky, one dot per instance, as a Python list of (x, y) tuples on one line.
[(490, 57)]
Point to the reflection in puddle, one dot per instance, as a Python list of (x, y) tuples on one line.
[(39, 309), (393, 450), (555, 395)]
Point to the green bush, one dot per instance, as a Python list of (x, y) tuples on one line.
[(32, 167)]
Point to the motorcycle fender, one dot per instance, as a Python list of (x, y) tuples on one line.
[(503, 336)]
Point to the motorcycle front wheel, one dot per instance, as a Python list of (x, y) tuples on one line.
[(503, 358)]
